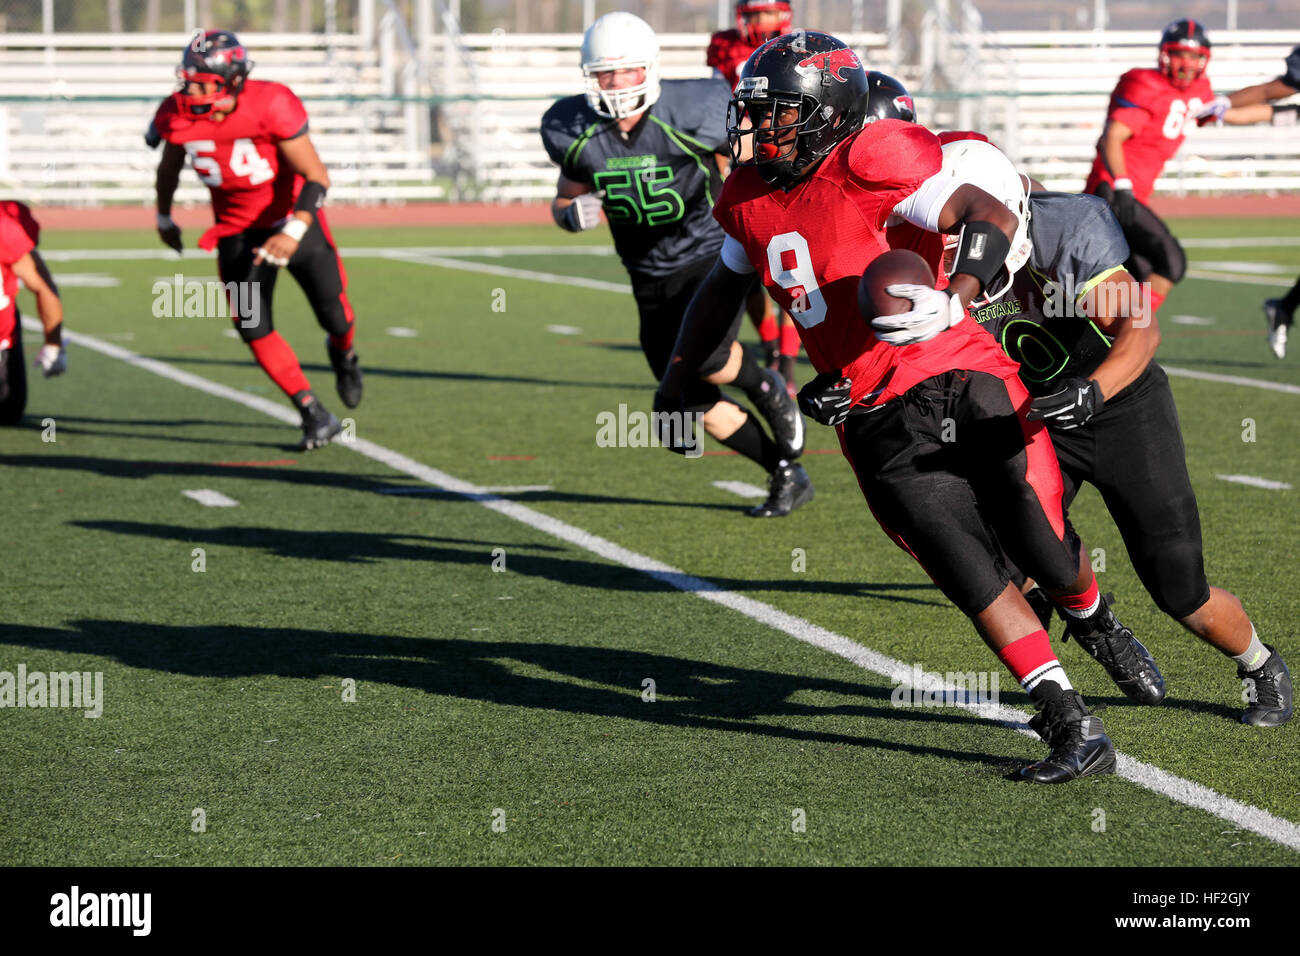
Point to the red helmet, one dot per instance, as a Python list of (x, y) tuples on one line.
[(1183, 36), (755, 36), (214, 56)]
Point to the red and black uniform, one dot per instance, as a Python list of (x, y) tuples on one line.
[(938, 439), (1148, 103), (253, 195), (727, 53), (19, 233)]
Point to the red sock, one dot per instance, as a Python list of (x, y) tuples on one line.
[(1030, 660), (767, 329), (343, 342), (789, 340), (1156, 301), (278, 361), (1081, 605)]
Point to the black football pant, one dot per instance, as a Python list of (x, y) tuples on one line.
[(315, 266), (954, 473), (1132, 452), (13, 377)]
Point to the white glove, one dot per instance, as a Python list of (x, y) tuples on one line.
[(583, 212), (1212, 112), (52, 359), (932, 312)]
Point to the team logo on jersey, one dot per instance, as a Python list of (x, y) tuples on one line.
[(833, 62)]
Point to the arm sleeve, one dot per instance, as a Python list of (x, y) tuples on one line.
[(1127, 103), (287, 117), (735, 258), (1292, 75), (922, 208)]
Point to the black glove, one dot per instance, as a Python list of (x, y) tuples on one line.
[(675, 426), (1122, 204), (1072, 406), (826, 399)]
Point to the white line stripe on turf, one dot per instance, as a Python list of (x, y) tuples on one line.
[(209, 498), (509, 273), (1232, 243), (487, 489), (1237, 278), (1233, 380), (742, 488), (1256, 482), (1145, 775)]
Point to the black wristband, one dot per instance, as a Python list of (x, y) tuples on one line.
[(981, 252), (311, 198)]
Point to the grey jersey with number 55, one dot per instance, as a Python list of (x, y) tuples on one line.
[(660, 182)]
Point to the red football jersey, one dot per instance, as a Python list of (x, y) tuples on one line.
[(811, 245), (237, 158), (728, 51), (1157, 112), (19, 233)]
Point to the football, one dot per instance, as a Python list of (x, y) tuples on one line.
[(895, 267)]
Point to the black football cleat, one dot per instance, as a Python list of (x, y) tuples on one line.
[(1113, 645), (1080, 747), (319, 425), (1279, 323), (347, 374), (1270, 704), (782, 414), (789, 488)]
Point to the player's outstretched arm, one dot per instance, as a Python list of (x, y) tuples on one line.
[(170, 164), (576, 205), (31, 269), (708, 317), (1117, 306), (301, 155)]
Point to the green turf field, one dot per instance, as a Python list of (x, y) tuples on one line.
[(499, 717)]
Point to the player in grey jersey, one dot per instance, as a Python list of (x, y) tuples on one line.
[(651, 153), (1081, 329)]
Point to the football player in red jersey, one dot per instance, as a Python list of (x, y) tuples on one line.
[(1145, 125), (809, 215), (1252, 105), (247, 140), (758, 21), (19, 233)]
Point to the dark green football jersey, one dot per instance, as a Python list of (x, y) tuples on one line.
[(1077, 243), (660, 182)]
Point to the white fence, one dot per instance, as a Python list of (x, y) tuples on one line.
[(398, 120)]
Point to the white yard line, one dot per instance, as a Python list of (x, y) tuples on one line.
[(209, 498), (1255, 482), (742, 488), (1232, 380), (1152, 778), (354, 252)]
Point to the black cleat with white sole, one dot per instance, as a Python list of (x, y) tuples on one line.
[(788, 488), (1279, 323), (1270, 699), (319, 425), (1127, 661), (347, 374), (1080, 747), (782, 413)]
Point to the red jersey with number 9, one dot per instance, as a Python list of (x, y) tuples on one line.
[(1158, 113), (237, 158), (811, 245)]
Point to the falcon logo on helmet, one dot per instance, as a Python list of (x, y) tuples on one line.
[(620, 41), (799, 96), (834, 62), (1182, 42), (215, 56), (749, 27)]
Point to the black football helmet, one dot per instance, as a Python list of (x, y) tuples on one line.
[(1183, 36), (751, 32), (215, 55), (813, 75), (888, 99)]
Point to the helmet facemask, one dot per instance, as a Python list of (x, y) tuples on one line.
[(1172, 58), (753, 33), (625, 101), (620, 41), (781, 151), (214, 57)]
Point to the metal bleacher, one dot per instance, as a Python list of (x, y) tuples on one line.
[(456, 115)]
